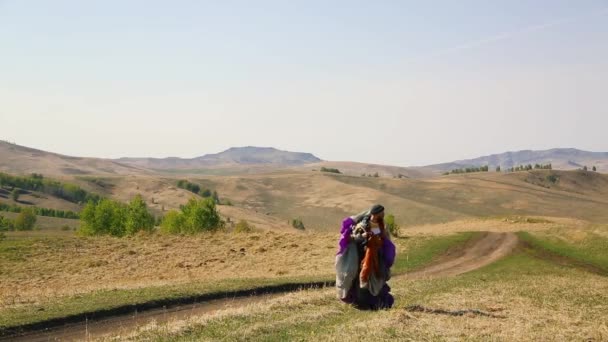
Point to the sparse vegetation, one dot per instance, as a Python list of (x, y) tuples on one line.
[(25, 220), (196, 189), (389, 222), (15, 195), (469, 170), (531, 167), (552, 178), (330, 170), (36, 182), (192, 187), (243, 227), (68, 214), (195, 217), (297, 224), (6, 224), (498, 168)]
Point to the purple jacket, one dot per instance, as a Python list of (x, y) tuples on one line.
[(388, 247)]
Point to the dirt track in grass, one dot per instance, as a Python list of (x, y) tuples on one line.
[(479, 252)]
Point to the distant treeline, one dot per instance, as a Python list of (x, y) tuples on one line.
[(196, 189), (468, 170), (498, 169), (36, 182), (530, 167), (67, 214)]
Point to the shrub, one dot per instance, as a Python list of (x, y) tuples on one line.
[(192, 187), (297, 224), (196, 216), (389, 223), (138, 216), (25, 220), (330, 170), (15, 195), (172, 222), (6, 224), (552, 178), (243, 227), (594, 169)]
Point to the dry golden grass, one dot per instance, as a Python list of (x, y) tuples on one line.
[(540, 302), (41, 269)]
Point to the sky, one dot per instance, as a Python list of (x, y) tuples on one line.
[(390, 82)]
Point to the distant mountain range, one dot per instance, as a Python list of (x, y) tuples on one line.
[(560, 158), (20, 159)]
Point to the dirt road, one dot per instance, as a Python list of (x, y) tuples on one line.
[(473, 255)]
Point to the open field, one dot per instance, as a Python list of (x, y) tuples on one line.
[(538, 300), (550, 225), (530, 295)]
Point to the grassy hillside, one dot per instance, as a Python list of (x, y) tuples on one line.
[(321, 200)]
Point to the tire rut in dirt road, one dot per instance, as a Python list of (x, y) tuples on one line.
[(479, 253)]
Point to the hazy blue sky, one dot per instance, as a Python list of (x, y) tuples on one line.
[(394, 82)]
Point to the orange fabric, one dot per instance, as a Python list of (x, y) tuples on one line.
[(370, 262)]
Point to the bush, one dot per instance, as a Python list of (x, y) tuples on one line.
[(6, 224), (138, 216), (330, 170), (243, 227), (552, 178), (297, 224), (192, 187), (109, 217), (196, 216), (15, 195), (25, 220), (594, 169), (390, 225), (172, 222)]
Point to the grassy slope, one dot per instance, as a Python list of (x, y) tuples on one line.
[(323, 199), (587, 247), (540, 301), (412, 253)]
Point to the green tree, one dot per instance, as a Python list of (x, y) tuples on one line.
[(25, 220), (196, 216), (594, 168), (15, 194), (172, 222), (138, 217), (6, 224), (585, 168), (389, 223)]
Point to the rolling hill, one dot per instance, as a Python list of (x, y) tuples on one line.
[(24, 160), (236, 156)]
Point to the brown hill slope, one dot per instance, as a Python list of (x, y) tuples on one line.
[(24, 160)]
